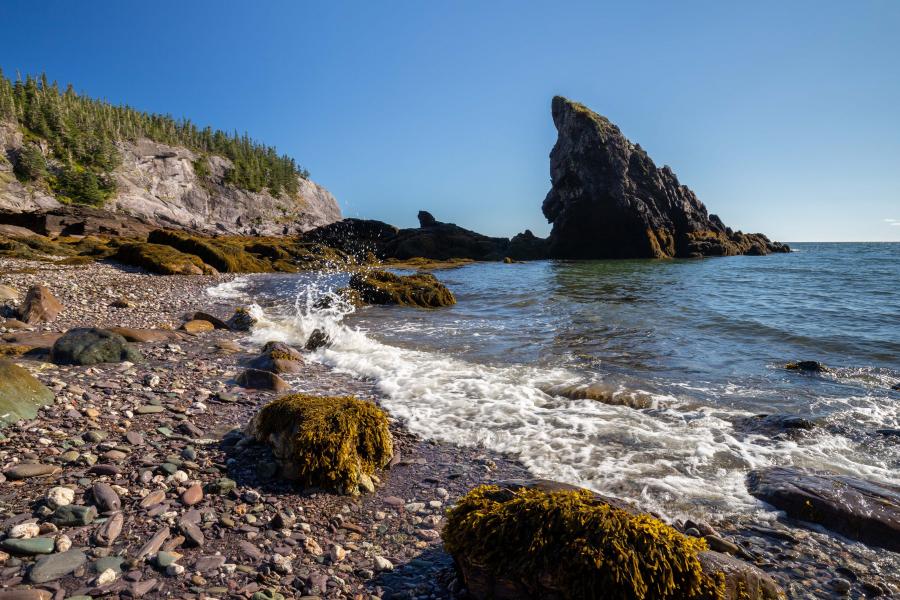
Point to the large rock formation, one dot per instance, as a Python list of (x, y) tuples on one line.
[(609, 200), (158, 185), (432, 239)]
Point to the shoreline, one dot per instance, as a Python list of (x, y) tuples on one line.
[(400, 522)]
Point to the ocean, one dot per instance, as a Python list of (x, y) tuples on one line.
[(639, 379)]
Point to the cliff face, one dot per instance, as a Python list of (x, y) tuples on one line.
[(609, 200), (158, 184)]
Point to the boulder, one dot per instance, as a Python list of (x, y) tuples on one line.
[(330, 442), (89, 346), (519, 540), (317, 339), (39, 306), (262, 380), (383, 287), (858, 509), (20, 393), (278, 357), (609, 200)]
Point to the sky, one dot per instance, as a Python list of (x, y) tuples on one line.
[(783, 117)]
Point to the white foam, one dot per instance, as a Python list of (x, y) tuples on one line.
[(679, 460)]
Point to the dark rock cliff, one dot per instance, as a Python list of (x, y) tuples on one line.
[(432, 239), (609, 200)]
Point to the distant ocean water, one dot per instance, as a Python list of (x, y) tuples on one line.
[(700, 343)]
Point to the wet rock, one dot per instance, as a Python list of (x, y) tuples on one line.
[(142, 336), (858, 509), (90, 346), (810, 366), (262, 380), (278, 357), (39, 306), (55, 566), (241, 320), (317, 339), (383, 287), (20, 394)]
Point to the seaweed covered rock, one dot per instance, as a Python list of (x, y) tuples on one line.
[(224, 255), (40, 305), (20, 393), (548, 540), (89, 346), (159, 258), (278, 357), (241, 320), (383, 287), (335, 443)]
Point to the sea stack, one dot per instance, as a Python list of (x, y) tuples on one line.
[(609, 200)]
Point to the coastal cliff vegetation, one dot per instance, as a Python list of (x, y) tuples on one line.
[(70, 143)]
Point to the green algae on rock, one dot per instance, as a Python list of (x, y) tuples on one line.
[(566, 544), (383, 287), (20, 393), (89, 346), (331, 442), (159, 258)]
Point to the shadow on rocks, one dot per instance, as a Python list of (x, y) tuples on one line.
[(430, 574)]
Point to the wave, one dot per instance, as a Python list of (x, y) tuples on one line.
[(677, 458)]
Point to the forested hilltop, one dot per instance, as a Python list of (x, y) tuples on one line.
[(70, 143)]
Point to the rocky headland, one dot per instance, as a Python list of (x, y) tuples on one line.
[(609, 200)]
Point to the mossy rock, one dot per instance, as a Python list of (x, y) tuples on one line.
[(383, 287), (90, 346), (558, 542), (158, 258), (224, 255), (278, 357), (335, 443), (20, 393)]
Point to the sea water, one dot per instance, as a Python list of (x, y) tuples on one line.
[(698, 346)]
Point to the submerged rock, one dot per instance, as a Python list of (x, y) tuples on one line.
[(382, 287), (542, 539), (858, 509), (330, 442), (20, 393), (810, 366), (609, 200), (90, 346)]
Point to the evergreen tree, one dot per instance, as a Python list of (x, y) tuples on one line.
[(82, 133)]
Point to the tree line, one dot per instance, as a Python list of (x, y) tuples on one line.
[(70, 143)]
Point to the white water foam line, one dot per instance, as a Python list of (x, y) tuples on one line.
[(679, 461)]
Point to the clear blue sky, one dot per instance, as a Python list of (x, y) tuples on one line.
[(784, 117)]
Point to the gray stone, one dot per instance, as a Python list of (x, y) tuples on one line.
[(55, 566)]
